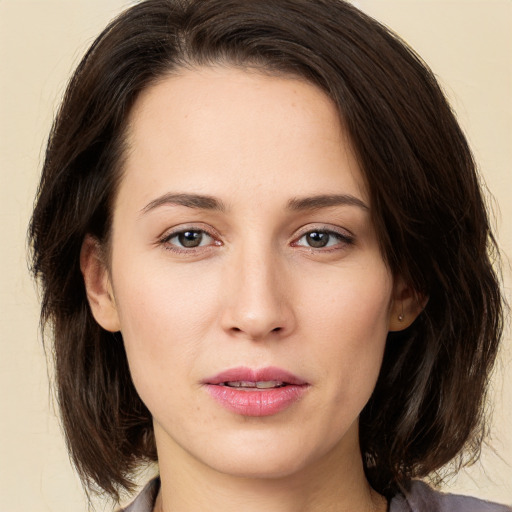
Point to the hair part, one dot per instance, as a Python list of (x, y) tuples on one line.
[(426, 205)]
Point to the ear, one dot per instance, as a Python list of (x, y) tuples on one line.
[(97, 285), (406, 306)]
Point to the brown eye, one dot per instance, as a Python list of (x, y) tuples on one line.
[(324, 238), (317, 239), (190, 238)]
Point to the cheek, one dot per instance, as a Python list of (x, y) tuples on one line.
[(164, 317), (349, 321), (353, 303)]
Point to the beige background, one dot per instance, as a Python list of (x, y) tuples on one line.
[(468, 43)]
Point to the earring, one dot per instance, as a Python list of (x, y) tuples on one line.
[(401, 315)]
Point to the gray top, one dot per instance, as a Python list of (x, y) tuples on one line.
[(420, 498)]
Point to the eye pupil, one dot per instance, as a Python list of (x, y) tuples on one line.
[(190, 238), (317, 239)]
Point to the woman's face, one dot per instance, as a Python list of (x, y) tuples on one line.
[(245, 272)]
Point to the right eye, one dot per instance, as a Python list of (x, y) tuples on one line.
[(188, 239)]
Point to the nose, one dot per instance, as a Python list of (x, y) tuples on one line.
[(257, 297)]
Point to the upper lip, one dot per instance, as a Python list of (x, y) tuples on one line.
[(245, 374)]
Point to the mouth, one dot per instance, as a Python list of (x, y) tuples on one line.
[(263, 392), (263, 378), (251, 386)]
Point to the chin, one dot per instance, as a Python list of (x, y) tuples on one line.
[(267, 456), (260, 466)]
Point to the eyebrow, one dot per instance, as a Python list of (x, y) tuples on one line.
[(325, 201), (205, 202), (197, 201)]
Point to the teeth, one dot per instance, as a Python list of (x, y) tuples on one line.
[(269, 384), (241, 384), (259, 385)]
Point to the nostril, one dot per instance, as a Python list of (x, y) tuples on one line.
[(276, 329)]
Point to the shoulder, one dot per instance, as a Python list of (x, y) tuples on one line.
[(145, 501), (422, 498)]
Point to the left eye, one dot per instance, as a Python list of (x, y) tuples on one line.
[(319, 239), (190, 239)]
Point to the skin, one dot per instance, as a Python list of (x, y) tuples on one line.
[(254, 293)]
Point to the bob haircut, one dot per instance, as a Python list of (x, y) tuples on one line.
[(426, 205)]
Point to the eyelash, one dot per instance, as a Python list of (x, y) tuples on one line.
[(343, 238), (166, 240)]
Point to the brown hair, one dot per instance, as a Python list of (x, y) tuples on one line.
[(426, 205)]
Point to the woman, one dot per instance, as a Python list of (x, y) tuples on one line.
[(266, 262)]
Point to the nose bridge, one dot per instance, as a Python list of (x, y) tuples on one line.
[(257, 303)]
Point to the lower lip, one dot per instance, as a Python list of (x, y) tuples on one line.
[(262, 402)]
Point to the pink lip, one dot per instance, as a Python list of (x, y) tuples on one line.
[(256, 402)]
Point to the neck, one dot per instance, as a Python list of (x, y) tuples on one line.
[(336, 483)]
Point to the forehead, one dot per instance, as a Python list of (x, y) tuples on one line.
[(211, 128)]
